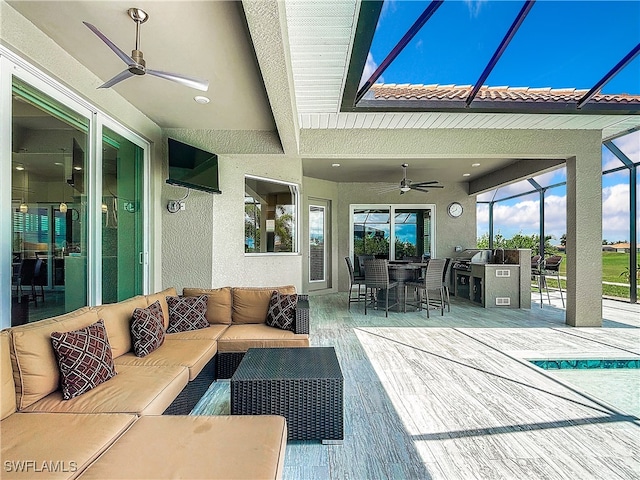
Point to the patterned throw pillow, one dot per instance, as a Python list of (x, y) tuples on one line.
[(147, 329), (187, 313), (84, 358), (282, 310)]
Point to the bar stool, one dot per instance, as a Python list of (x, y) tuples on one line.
[(551, 268)]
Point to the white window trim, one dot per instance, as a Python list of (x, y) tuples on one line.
[(392, 207), (296, 237), (324, 245)]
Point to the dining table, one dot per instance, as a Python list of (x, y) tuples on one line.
[(402, 272)]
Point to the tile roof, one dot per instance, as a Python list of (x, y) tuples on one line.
[(392, 91)]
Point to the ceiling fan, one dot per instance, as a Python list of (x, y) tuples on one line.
[(136, 64), (406, 184)]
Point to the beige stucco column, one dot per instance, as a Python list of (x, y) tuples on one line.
[(584, 237)]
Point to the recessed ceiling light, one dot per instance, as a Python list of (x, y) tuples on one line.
[(466, 174), (475, 164), (201, 100), (58, 163), (19, 167), (77, 168), (335, 164)]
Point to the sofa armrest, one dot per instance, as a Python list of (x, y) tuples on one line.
[(302, 315)]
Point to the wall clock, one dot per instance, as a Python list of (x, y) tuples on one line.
[(454, 209)]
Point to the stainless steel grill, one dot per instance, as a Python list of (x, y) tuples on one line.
[(471, 255)]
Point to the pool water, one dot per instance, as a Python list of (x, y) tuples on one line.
[(584, 364), (615, 382)]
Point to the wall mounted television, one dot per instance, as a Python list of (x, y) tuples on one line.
[(192, 167)]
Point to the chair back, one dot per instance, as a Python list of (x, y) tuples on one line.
[(376, 273), (350, 267), (361, 260), (535, 263), (40, 273), (553, 263), (446, 274), (434, 274), (27, 271)]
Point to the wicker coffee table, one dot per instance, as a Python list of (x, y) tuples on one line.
[(305, 385)]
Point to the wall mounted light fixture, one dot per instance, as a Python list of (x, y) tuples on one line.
[(174, 206)]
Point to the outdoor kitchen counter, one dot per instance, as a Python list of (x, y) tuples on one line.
[(496, 285)]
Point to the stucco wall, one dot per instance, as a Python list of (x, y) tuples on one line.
[(203, 246)]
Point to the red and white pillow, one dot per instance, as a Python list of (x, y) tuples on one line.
[(187, 313), (147, 329), (84, 359), (282, 310)]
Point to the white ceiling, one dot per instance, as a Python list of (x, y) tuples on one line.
[(210, 39)]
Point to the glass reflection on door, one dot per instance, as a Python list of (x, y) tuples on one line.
[(412, 234), (122, 218), (317, 248), (49, 214)]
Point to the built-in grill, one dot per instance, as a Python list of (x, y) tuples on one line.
[(471, 255)]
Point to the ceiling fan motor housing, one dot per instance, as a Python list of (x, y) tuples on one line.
[(139, 67)]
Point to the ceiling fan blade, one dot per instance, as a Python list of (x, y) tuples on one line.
[(421, 184), (192, 82), (123, 56), (418, 189), (117, 79)]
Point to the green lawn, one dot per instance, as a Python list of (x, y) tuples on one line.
[(613, 264)]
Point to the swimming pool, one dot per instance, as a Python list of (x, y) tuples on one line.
[(613, 381), (587, 364)]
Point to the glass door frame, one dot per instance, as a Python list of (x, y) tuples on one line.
[(326, 282), (392, 215), (324, 243), (12, 65), (102, 122)]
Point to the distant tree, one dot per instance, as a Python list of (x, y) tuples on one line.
[(604, 242), (519, 241)]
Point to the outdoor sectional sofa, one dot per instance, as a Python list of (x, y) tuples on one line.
[(117, 429)]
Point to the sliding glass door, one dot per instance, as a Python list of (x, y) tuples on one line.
[(49, 205), (74, 228), (394, 232), (122, 217)]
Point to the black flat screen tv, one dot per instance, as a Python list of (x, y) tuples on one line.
[(192, 167)]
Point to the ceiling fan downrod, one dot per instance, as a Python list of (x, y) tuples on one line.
[(139, 16)]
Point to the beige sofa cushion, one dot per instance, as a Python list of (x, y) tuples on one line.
[(250, 304), (213, 447), (117, 321), (192, 354), (212, 332), (161, 296), (35, 370), (68, 442), (7, 386), (239, 338), (218, 302), (138, 390)]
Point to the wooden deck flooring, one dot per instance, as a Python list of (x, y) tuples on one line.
[(454, 397)]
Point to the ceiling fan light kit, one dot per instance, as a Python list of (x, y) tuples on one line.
[(136, 64)]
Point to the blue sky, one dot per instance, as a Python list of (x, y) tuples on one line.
[(561, 44)]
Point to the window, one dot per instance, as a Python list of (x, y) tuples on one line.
[(76, 212), (395, 232), (270, 216)]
